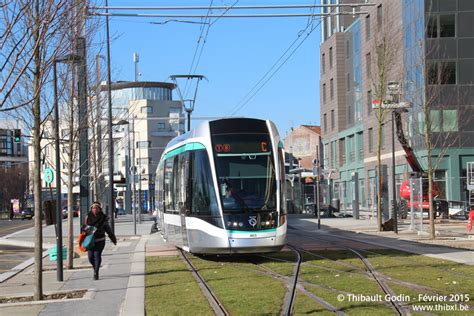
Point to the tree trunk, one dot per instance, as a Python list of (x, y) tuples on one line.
[(38, 288), (379, 173)]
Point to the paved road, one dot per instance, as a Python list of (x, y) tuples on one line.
[(7, 227), (11, 256)]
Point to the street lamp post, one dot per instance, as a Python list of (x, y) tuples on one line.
[(111, 141), (59, 228)]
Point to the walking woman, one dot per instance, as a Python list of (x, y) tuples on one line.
[(99, 220)]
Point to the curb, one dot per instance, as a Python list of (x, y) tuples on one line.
[(22, 266), (134, 303)]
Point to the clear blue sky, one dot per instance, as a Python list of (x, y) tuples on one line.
[(237, 53)]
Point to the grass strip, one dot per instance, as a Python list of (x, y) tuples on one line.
[(241, 286), (172, 290)]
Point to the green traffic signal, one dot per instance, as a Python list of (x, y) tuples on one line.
[(17, 136)]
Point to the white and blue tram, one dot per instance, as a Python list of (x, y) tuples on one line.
[(220, 188)]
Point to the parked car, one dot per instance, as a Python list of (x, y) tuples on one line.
[(27, 213), (75, 211)]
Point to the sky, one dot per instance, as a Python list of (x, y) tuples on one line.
[(236, 55)]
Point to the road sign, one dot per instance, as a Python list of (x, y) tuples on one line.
[(387, 104), (48, 175)]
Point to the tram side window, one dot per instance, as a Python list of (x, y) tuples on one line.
[(168, 184), (175, 184), (181, 182), (203, 194), (159, 187)]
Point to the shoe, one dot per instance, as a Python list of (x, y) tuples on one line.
[(96, 276)]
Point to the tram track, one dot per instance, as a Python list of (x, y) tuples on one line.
[(294, 284), (377, 277), (216, 305)]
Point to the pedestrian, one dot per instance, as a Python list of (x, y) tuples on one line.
[(99, 220)]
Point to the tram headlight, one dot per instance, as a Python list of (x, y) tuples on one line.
[(235, 224), (229, 224), (267, 223), (241, 224)]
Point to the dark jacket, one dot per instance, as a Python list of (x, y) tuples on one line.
[(101, 223)]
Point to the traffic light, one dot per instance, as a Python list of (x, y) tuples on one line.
[(17, 136)]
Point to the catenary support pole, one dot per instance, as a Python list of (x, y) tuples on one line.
[(59, 229)]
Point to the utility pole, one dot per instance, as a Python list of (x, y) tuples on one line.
[(83, 130)]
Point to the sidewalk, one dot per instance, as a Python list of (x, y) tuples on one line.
[(120, 290), (453, 241)]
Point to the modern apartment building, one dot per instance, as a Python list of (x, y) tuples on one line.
[(430, 45), (145, 119), (149, 119)]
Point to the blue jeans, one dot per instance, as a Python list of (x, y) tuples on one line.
[(95, 255)]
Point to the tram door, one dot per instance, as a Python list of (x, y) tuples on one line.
[(183, 195)]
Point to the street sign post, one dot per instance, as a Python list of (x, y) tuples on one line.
[(48, 175)]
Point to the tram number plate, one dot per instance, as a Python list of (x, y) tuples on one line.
[(253, 235)]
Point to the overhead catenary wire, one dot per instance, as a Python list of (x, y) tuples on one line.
[(200, 16), (194, 63), (288, 6), (266, 77)]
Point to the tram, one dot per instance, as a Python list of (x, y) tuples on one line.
[(220, 188)]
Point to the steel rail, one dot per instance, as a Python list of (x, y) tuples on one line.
[(291, 295), (216, 305)]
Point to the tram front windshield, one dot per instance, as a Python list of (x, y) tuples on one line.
[(246, 172)]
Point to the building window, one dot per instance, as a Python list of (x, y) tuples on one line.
[(369, 102), (143, 144), (447, 26), (379, 17), (371, 140), (323, 62), (432, 29), (333, 120), (443, 121), (448, 72), (348, 50), (324, 93), (174, 110), (146, 109), (443, 25), (368, 64), (160, 125), (443, 72), (348, 82), (432, 72), (331, 88), (143, 161), (450, 121), (330, 57), (325, 122), (367, 27)]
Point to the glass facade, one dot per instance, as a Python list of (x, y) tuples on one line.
[(413, 42), (122, 97)]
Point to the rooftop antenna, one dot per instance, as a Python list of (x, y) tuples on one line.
[(190, 108), (136, 59)]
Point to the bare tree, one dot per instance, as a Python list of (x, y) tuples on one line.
[(435, 117), (32, 34), (386, 46)]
